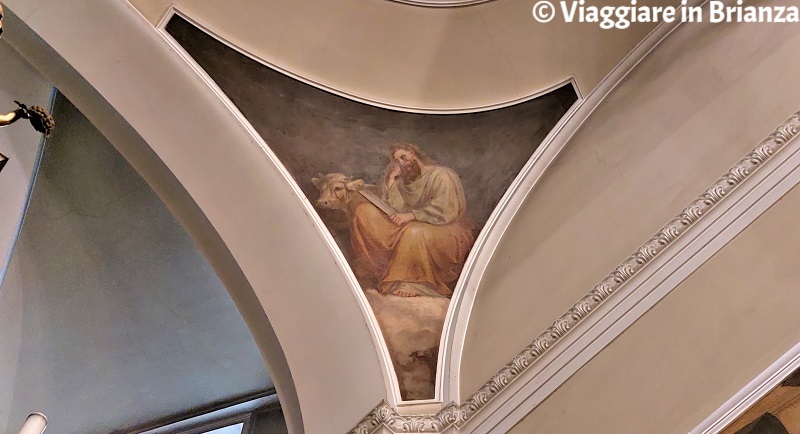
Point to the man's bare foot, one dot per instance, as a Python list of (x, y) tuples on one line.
[(404, 293)]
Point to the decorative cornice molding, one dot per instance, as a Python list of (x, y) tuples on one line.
[(458, 416), (185, 12), (385, 415), (441, 3), (457, 321)]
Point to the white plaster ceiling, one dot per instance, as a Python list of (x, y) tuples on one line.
[(414, 58), (312, 313)]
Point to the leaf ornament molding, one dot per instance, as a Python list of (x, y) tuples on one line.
[(454, 417), (441, 3)]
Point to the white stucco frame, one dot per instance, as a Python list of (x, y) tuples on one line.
[(390, 379), (484, 246), (82, 93), (577, 344), (441, 3), (456, 322)]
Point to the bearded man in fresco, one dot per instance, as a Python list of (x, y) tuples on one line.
[(420, 250)]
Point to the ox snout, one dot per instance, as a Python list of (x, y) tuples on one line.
[(328, 203), (323, 203)]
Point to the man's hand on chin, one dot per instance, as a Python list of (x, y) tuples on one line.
[(401, 219)]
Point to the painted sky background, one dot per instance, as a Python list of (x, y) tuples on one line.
[(313, 131)]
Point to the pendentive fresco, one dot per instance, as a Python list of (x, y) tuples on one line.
[(404, 195)]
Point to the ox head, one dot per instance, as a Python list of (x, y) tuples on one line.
[(335, 190)]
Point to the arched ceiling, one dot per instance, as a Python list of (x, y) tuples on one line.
[(412, 57), (233, 169), (390, 54)]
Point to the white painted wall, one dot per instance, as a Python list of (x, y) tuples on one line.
[(714, 333), (703, 98)]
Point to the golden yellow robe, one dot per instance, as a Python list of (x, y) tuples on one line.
[(430, 250)]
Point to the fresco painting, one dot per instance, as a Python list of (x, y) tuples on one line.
[(776, 413), (411, 238), (404, 195)]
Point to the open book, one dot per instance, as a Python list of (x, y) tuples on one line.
[(377, 201)]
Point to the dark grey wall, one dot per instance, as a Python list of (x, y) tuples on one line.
[(122, 320), (312, 131), (268, 422)]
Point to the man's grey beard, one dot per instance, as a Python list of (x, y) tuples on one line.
[(410, 172)]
